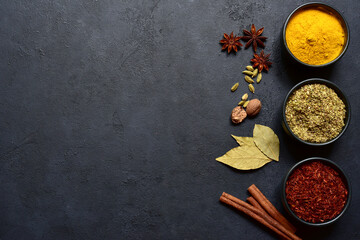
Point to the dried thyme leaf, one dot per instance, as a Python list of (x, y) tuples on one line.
[(267, 141), (315, 113)]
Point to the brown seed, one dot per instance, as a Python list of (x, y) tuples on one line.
[(238, 114), (253, 107)]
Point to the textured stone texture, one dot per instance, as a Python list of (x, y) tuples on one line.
[(113, 112)]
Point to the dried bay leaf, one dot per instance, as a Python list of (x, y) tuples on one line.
[(245, 157), (244, 160), (244, 141), (267, 141)]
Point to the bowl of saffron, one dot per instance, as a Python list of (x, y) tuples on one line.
[(316, 192), (316, 34)]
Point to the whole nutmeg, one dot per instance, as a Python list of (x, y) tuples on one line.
[(238, 114), (253, 107)]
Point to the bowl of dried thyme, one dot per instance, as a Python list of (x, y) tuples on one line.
[(316, 192), (316, 35), (316, 112)]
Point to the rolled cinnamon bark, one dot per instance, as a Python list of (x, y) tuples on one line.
[(255, 203), (266, 204), (265, 216), (254, 216)]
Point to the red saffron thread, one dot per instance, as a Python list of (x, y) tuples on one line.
[(316, 192)]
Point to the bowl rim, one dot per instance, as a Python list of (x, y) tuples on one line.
[(338, 91), (337, 168), (305, 5)]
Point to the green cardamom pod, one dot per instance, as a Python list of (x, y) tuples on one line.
[(244, 97), (255, 72), (250, 68), (245, 104), (259, 77), (248, 79), (241, 102), (251, 88), (233, 88), (250, 73)]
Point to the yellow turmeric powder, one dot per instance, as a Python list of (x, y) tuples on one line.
[(315, 36)]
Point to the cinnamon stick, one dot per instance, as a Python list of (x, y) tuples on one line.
[(255, 203), (266, 204), (263, 215), (253, 215)]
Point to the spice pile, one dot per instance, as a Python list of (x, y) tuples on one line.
[(315, 192), (315, 113), (315, 36), (246, 108), (260, 62), (261, 209)]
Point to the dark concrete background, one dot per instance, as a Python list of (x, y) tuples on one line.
[(113, 112)]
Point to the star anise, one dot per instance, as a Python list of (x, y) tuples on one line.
[(254, 37), (261, 61), (230, 42)]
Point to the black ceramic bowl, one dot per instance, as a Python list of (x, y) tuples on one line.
[(337, 169), (338, 92), (328, 9)]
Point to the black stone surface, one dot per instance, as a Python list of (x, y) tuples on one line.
[(113, 112)]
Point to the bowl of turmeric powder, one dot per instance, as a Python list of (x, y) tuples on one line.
[(316, 34)]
